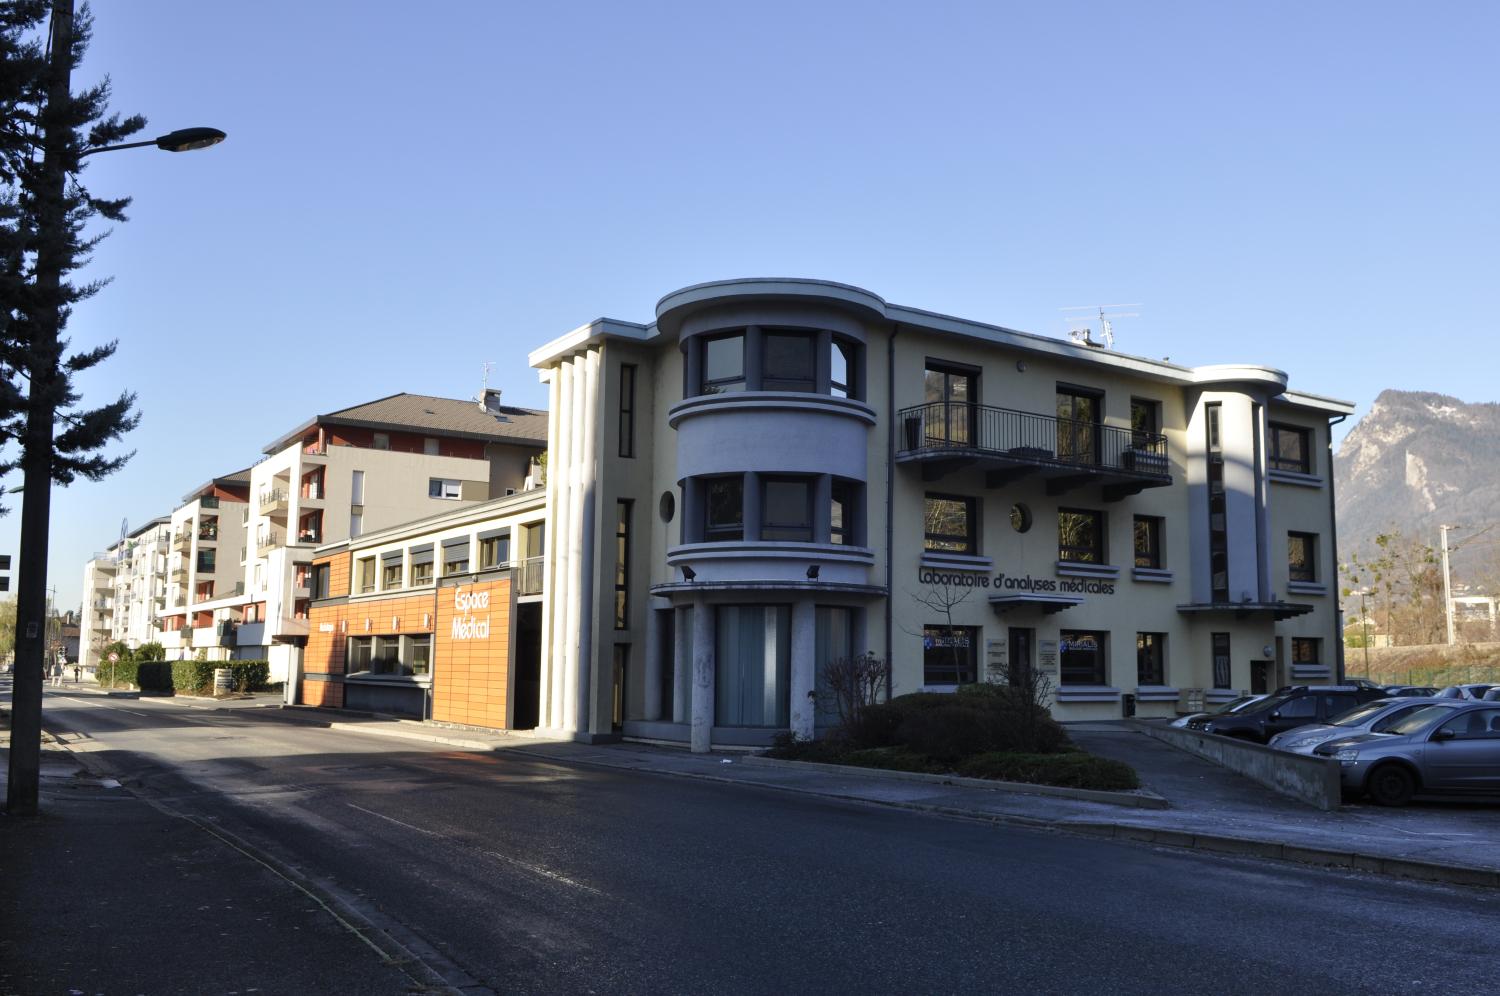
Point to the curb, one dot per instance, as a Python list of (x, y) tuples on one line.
[(1138, 800)]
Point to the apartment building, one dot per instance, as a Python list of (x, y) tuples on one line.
[(363, 469), (775, 474), (125, 588), (205, 573)]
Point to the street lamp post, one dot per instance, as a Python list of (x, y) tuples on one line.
[(41, 409)]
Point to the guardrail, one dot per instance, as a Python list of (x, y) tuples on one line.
[(945, 426), (529, 576)]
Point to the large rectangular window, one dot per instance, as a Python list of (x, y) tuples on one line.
[(1291, 448), (1218, 525), (365, 575), (1145, 422), (392, 571), (442, 487), (724, 509), (1078, 416), (1082, 657), (320, 580), (1222, 671), (1080, 536), (622, 564), (1307, 650), (455, 556), (950, 655), (786, 509), (1148, 541), (950, 524), (421, 565), (1302, 556), (416, 657), (359, 653), (1150, 658), (950, 395), (494, 550), (843, 368), (627, 409), (843, 511), (752, 664), (723, 364), (790, 361)]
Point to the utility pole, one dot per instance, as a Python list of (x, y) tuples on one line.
[(1447, 584), (1364, 616), (23, 780)]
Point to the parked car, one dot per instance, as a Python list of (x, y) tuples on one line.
[(1234, 705), (1470, 692), (1493, 695), (1364, 683), (1410, 691), (1372, 717), (1290, 708), (1448, 747)]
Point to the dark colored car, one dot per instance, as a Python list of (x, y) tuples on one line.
[(1289, 708), (1410, 691), (1448, 747)]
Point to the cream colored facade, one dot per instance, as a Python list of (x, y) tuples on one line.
[(125, 587), (773, 461)]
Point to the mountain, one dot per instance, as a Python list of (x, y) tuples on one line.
[(1417, 460)]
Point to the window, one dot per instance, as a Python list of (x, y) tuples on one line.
[(622, 564), (842, 368), (421, 573), (430, 446), (752, 664), (950, 524), (1082, 654), (361, 649), (1301, 557), (494, 550), (1078, 414), (365, 572), (1290, 449), (1307, 650), (320, 580), (948, 655), (1218, 533), (723, 364), (790, 361), (724, 509), (417, 658), (1145, 422), (442, 487), (627, 410), (391, 571), (786, 509), (1150, 658), (1302, 707), (356, 524), (1080, 536), (842, 512), (455, 556), (1148, 541), (950, 395), (1481, 724), (357, 488), (205, 561), (382, 441), (1221, 660)]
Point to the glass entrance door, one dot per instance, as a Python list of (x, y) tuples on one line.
[(1018, 658)]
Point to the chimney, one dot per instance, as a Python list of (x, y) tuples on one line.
[(489, 400)]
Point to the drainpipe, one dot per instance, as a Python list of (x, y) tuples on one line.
[(1333, 535), (890, 486)]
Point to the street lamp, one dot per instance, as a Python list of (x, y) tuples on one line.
[(24, 777)]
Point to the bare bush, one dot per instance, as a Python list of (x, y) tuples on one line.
[(856, 683)]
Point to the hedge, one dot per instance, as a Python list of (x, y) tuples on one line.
[(197, 677)]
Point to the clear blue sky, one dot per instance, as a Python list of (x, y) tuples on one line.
[(407, 192)]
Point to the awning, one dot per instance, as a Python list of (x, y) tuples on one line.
[(1047, 604), (1243, 610)]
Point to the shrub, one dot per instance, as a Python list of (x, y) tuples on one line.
[(979, 719), (1071, 770), (249, 676), (192, 677), (151, 652), (877, 725), (153, 676)]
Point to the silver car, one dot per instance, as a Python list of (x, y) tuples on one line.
[(1449, 746), (1372, 717), (1475, 692)]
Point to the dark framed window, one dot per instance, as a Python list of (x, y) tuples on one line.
[(1302, 556), (724, 509), (1145, 422), (359, 653), (622, 563), (723, 364), (786, 509), (1082, 656), (392, 572), (321, 574), (949, 655), (950, 394), (1222, 670), (843, 512), (1148, 541), (1291, 448), (494, 550), (1218, 531), (1078, 417), (1080, 535), (951, 524), (416, 657), (627, 410), (789, 361), (1150, 658), (843, 368), (206, 560), (1307, 650), (455, 557), (366, 574), (421, 574)]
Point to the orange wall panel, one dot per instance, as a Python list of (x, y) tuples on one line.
[(471, 669)]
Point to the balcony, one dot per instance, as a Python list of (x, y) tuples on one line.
[(272, 501), (942, 437), (529, 574), (208, 501), (208, 535), (182, 542), (179, 573), (266, 541)]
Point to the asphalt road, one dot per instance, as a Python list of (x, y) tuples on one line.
[(516, 875)]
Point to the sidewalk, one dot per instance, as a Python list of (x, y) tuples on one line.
[(1209, 809)]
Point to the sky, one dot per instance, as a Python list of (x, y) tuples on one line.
[(407, 193)]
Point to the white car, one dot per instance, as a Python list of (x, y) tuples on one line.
[(1371, 717)]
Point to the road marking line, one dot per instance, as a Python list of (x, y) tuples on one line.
[(516, 862)]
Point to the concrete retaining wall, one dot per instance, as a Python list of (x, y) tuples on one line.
[(1313, 780)]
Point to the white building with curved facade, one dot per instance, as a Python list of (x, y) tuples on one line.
[(774, 474)]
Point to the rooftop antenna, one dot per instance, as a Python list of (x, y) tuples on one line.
[(485, 384), (1079, 325)]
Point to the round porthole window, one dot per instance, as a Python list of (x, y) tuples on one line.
[(667, 506), (1020, 517)]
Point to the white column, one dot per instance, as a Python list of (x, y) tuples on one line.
[(588, 484), (573, 584), (549, 566), (559, 473), (703, 677), (652, 676), (804, 668)]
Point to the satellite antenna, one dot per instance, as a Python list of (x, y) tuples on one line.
[(1079, 325)]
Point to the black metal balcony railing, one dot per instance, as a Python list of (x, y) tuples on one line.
[(208, 501), (954, 426), (529, 576)]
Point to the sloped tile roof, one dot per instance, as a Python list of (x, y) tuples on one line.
[(424, 413)]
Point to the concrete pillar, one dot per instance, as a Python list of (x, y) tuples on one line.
[(692, 367), (822, 508), (559, 474), (754, 354), (583, 717), (573, 590), (654, 624), (549, 566), (682, 662), (804, 668), (703, 677), (751, 510)]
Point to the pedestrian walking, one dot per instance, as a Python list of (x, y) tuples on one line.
[(77, 674)]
